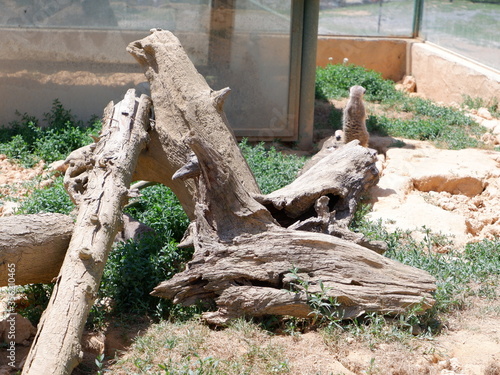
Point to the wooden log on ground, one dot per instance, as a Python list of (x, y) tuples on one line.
[(183, 101), (102, 189), (243, 260), (35, 245), (324, 197)]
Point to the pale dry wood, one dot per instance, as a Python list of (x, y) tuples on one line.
[(35, 245), (243, 260), (325, 195), (341, 175), (183, 101), (100, 188)]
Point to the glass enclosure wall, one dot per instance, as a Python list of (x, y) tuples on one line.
[(243, 44), (470, 28), (366, 17)]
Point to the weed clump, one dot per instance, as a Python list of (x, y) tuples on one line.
[(28, 141), (447, 127)]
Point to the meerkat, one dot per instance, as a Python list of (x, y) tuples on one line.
[(354, 122)]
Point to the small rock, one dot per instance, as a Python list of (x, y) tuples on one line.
[(46, 183), (58, 165), (455, 365), (490, 124), (22, 328), (349, 340), (484, 113), (93, 342), (9, 208), (489, 138), (408, 84)]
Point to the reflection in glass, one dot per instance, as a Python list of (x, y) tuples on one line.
[(366, 17), (469, 28), (243, 44)]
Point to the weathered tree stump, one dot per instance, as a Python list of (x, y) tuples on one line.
[(183, 101), (244, 259), (99, 184)]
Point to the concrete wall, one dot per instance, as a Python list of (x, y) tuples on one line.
[(384, 55), (87, 70), (84, 70), (441, 75), (446, 77)]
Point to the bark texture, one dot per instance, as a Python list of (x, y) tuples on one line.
[(325, 195), (99, 183), (183, 102), (35, 244), (244, 260), (341, 176)]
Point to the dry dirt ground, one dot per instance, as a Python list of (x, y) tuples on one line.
[(470, 341)]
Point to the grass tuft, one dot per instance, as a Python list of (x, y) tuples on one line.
[(445, 126)]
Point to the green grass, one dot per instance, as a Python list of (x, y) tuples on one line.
[(134, 268), (474, 271), (445, 126), (172, 348), (271, 168), (475, 103), (52, 199), (29, 141), (334, 82)]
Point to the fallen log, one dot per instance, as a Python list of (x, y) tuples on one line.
[(325, 195), (99, 184), (244, 260), (35, 245)]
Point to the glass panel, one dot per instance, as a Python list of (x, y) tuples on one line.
[(366, 17), (243, 44), (106, 14), (259, 68), (471, 29)]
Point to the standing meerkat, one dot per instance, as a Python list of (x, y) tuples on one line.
[(354, 122)]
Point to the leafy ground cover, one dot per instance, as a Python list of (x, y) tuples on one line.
[(398, 114), (177, 343)]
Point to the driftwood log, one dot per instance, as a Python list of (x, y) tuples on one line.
[(183, 101), (244, 259), (325, 195), (35, 244), (99, 184), (250, 249)]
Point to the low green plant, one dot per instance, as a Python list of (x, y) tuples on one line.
[(29, 141), (325, 309), (457, 273), (174, 348), (334, 82), (99, 362), (476, 103), (51, 199), (134, 268), (38, 296), (271, 168)]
